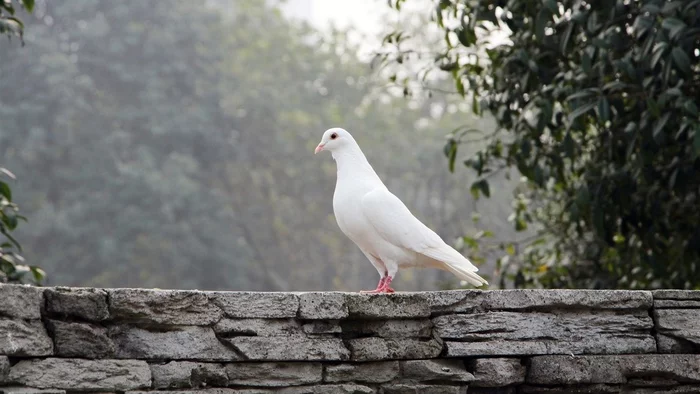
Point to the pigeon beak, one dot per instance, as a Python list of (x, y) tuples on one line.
[(319, 148)]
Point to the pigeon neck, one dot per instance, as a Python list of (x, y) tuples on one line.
[(352, 162)]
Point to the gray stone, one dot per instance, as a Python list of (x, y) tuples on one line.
[(82, 303), (187, 374), (376, 349), (577, 389), (256, 304), (29, 390), (430, 370), (619, 369), (322, 327), (286, 349), (676, 303), (387, 328), (423, 389), (670, 294), (77, 374), (387, 306), (81, 340), (512, 333), (4, 368), (322, 306), (667, 344), (258, 327), (496, 372), (461, 301), (274, 374), (21, 301), (213, 390), (372, 372), (680, 326), (22, 338), (328, 389), (177, 343), (170, 307)]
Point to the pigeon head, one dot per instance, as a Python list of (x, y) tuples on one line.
[(335, 140)]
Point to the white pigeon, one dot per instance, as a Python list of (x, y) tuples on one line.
[(380, 224)]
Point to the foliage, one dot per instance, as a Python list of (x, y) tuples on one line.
[(11, 268), (160, 154), (596, 103)]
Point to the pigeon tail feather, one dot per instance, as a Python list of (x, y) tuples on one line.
[(464, 274)]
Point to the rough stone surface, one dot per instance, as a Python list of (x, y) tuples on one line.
[(4, 368), (281, 349), (512, 333), (322, 327), (172, 307), (253, 304), (322, 306), (423, 389), (29, 390), (328, 389), (382, 306), (375, 349), (274, 374), (22, 338), (178, 343), (442, 370), (607, 389), (618, 369), (77, 374), (20, 301), (388, 328), (680, 329), (677, 304), (372, 372), (187, 374), (82, 340), (526, 299), (258, 327), (671, 294), (81, 303), (496, 372)]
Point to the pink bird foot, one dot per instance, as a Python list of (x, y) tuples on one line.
[(379, 289)]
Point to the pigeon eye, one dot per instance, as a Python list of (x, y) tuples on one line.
[(334, 136)]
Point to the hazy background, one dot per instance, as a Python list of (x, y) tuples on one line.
[(170, 144)]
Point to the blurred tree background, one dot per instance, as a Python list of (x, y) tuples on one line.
[(596, 105), (170, 144)]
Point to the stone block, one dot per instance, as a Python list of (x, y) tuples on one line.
[(80, 340), (496, 372), (81, 375), (4, 369), (423, 389), (284, 349), (82, 303), (24, 338), (677, 329), (326, 389), (29, 390), (274, 374), (617, 369), (387, 306), (165, 307), (387, 328), (322, 306), (21, 301), (372, 372), (435, 370), (187, 374), (512, 333), (318, 327), (469, 301), (258, 327), (673, 294), (376, 349), (176, 343), (256, 304)]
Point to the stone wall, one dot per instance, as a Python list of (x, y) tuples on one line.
[(57, 340)]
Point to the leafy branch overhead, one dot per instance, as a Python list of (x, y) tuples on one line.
[(9, 23), (596, 103)]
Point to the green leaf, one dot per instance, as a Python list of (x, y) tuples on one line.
[(482, 186), (659, 127), (28, 5), (5, 191), (604, 109), (582, 110), (674, 26), (682, 60), (38, 274), (696, 141), (541, 23)]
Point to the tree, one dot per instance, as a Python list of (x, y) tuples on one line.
[(596, 105)]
